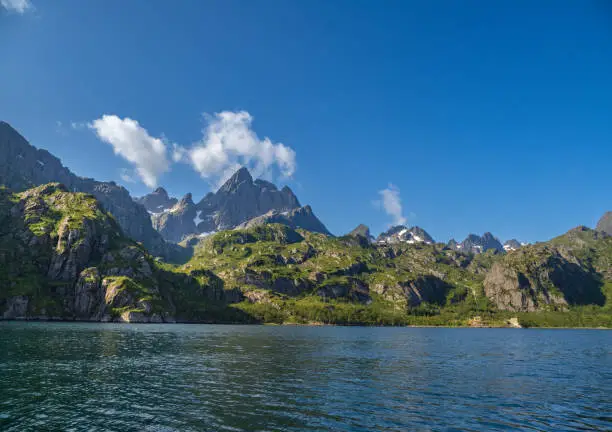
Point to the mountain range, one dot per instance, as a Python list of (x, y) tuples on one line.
[(74, 248)]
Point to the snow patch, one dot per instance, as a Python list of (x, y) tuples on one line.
[(206, 234), (197, 220), (41, 163)]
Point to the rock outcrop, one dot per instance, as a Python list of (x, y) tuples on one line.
[(23, 166), (402, 234), (157, 201), (63, 257), (301, 217), (549, 276)]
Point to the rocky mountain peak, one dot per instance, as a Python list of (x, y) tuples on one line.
[(239, 177), (186, 200), (157, 201), (511, 245), (477, 244), (361, 230), (402, 234)]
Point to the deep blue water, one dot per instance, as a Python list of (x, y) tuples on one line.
[(98, 377)]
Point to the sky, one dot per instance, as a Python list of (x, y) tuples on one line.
[(458, 117)]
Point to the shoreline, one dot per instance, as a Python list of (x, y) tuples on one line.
[(313, 324)]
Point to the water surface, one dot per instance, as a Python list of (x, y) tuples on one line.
[(99, 377)]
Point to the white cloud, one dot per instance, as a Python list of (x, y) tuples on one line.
[(19, 6), (229, 142), (391, 203), (132, 142)]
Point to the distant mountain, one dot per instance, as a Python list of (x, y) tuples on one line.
[(511, 245), (23, 166), (301, 217), (361, 230), (402, 234), (605, 223), (240, 202), (157, 201), (177, 222), (477, 244)]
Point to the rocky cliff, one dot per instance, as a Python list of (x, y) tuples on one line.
[(157, 201), (569, 270), (240, 202), (63, 257), (23, 166)]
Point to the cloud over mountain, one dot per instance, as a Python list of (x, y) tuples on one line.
[(391, 203), (148, 154), (230, 142)]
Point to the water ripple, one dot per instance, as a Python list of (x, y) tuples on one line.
[(158, 378)]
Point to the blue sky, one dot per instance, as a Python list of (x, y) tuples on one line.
[(483, 116)]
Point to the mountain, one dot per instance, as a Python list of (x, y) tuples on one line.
[(477, 244), (301, 217), (241, 202), (179, 220), (511, 245), (23, 166), (571, 269), (157, 201), (605, 223), (402, 234), (62, 256)]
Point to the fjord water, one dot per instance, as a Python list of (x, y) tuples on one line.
[(65, 376)]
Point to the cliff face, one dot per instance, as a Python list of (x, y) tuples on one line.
[(63, 257), (23, 166), (569, 270)]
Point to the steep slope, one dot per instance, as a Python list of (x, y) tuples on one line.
[(157, 201), (572, 269), (301, 217), (178, 220), (62, 256), (274, 262), (23, 166), (240, 202)]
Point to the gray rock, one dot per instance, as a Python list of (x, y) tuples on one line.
[(402, 234), (23, 166), (301, 217), (157, 201), (477, 244), (16, 307)]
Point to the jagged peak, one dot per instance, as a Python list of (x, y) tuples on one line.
[(161, 191), (187, 199), (361, 230), (241, 176)]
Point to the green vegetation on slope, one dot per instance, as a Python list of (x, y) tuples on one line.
[(62, 256)]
